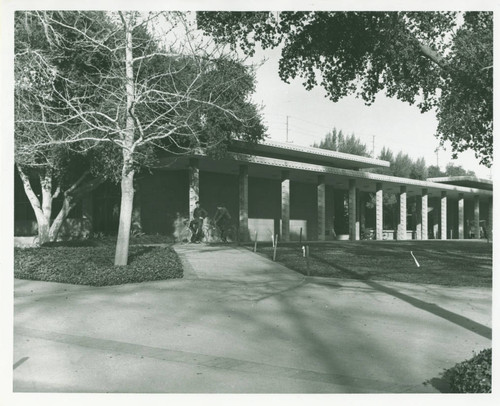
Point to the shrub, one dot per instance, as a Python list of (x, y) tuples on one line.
[(471, 376), (93, 265)]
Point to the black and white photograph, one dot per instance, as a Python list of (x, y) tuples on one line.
[(292, 200)]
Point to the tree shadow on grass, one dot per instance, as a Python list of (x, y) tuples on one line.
[(457, 319), (138, 252)]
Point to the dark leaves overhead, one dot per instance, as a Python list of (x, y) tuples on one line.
[(429, 59)]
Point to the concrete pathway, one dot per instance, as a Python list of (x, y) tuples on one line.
[(239, 323)]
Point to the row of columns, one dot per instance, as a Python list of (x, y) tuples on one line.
[(355, 207), (422, 209)]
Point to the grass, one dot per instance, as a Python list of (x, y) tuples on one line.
[(448, 263), (90, 262)]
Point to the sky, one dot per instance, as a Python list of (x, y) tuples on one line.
[(387, 122)]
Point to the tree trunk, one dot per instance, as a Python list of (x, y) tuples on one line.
[(41, 210), (47, 231), (126, 206), (71, 197), (67, 206), (127, 182), (43, 230), (46, 183)]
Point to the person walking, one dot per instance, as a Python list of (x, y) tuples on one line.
[(196, 224)]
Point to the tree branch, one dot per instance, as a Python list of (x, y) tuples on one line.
[(432, 55), (35, 202)]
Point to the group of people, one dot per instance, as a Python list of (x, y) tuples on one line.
[(222, 219)]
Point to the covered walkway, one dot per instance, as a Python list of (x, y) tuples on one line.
[(283, 188)]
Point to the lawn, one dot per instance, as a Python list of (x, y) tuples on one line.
[(90, 262), (448, 263)]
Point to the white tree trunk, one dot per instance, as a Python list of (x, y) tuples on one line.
[(67, 206), (126, 206), (42, 210), (127, 182)]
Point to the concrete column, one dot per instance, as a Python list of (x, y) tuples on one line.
[(444, 204), (461, 217), (401, 235), (321, 207), (424, 210), (285, 206), (379, 212), (477, 227), (243, 203), (352, 211), (194, 185), (490, 220)]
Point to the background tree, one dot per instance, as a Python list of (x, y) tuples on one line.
[(457, 170), (337, 141), (402, 165), (419, 170), (56, 170), (151, 86), (450, 170), (435, 172), (427, 58)]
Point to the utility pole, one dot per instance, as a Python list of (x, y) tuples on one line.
[(437, 156), (373, 146)]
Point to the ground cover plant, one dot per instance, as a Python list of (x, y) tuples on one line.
[(471, 376), (90, 262), (448, 263)]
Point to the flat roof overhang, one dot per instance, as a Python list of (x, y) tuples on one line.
[(468, 181), (272, 168), (319, 156)]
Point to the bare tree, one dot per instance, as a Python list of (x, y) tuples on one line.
[(149, 84)]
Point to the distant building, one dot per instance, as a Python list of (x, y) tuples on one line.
[(296, 192)]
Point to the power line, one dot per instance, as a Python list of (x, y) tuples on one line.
[(292, 127)]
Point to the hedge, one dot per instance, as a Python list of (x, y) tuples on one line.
[(471, 376), (93, 265)]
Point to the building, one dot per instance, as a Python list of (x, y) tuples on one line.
[(294, 191)]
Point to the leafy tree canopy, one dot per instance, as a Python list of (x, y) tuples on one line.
[(337, 141), (440, 60)]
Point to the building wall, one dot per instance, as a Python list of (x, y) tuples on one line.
[(220, 189), (341, 219), (304, 206), (330, 207), (264, 198), (106, 208), (452, 218), (162, 195)]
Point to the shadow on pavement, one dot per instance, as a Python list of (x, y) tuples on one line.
[(440, 384)]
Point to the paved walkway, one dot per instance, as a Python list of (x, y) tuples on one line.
[(239, 323)]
